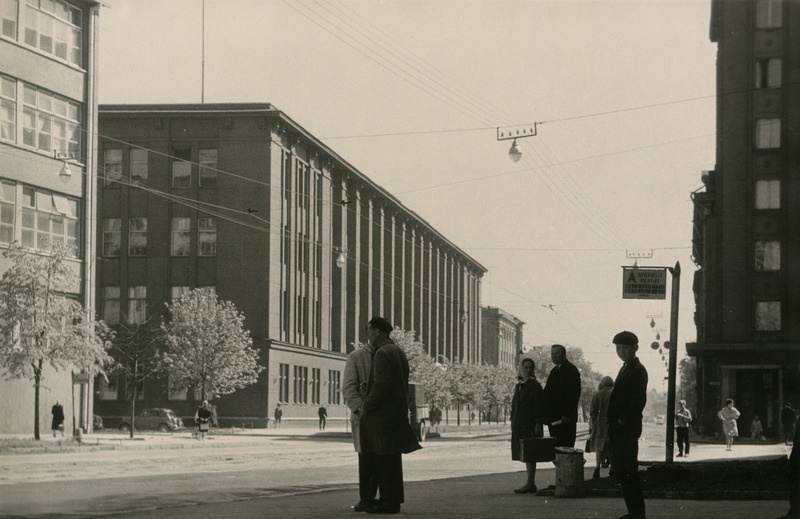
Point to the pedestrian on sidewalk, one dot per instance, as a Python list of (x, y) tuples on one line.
[(598, 423), (756, 429), (683, 417), (277, 416), (729, 415), (58, 418), (562, 392), (788, 418), (354, 389), (201, 417), (386, 433), (323, 416), (527, 417), (625, 422)]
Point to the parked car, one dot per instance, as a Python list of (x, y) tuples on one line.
[(153, 419)]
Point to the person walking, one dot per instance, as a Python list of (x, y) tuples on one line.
[(788, 418), (354, 389), (527, 417), (323, 416), (562, 392), (756, 429), (57, 423), (277, 415), (598, 423), (624, 414), (201, 417), (683, 417), (386, 433), (729, 415)]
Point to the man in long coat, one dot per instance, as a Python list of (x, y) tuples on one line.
[(562, 392), (385, 430)]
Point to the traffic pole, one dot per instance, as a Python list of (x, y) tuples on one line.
[(673, 360)]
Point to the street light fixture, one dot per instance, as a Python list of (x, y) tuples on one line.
[(65, 174), (515, 132), (342, 258)]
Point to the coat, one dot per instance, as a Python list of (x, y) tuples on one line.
[(202, 417), (527, 410), (598, 427), (58, 416), (629, 394), (562, 392), (385, 427), (354, 388)]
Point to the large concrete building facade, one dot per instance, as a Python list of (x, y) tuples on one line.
[(47, 119), (241, 198), (747, 220), (501, 342)]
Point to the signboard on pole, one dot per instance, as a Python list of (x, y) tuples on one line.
[(644, 283)]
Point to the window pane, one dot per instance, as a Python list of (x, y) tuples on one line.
[(768, 316), (768, 194), (208, 167), (768, 255), (769, 14), (768, 133), (181, 174), (139, 165), (112, 166), (181, 238)]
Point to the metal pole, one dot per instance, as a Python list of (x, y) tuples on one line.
[(203, 58), (673, 359)]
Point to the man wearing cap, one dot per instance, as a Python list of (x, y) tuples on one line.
[(385, 431), (625, 422)]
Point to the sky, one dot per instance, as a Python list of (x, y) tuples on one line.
[(411, 93)]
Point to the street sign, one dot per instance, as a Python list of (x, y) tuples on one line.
[(644, 283), (80, 378)]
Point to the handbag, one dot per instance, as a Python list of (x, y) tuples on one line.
[(532, 450)]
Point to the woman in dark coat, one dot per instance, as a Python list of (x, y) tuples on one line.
[(58, 418), (527, 415), (598, 423), (201, 417)]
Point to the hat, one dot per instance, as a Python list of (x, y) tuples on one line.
[(626, 338), (381, 324)]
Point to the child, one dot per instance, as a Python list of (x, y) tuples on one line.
[(756, 429)]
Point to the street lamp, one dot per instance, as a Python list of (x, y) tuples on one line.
[(342, 258), (515, 132), (65, 174)]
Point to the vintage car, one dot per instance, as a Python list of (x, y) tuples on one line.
[(153, 419)]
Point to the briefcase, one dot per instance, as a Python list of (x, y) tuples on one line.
[(537, 449)]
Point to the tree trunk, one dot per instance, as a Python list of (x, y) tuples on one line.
[(37, 377)]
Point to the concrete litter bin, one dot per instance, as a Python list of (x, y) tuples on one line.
[(569, 472)]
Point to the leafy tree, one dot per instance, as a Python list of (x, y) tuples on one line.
[(41, 325), (207, 346), (688, 378)]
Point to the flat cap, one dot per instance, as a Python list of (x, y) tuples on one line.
[(381, 324), (627, 338)]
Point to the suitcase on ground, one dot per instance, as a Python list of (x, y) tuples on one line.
[(537, 449)]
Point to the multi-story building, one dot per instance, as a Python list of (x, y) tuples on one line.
[(747, 220), (501, 337), (47, 170), (241, 198)]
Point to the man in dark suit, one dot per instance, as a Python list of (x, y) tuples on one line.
[(562, 392), (625, 422), (385, 431)]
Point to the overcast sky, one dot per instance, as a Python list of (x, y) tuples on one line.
[(410, 93)]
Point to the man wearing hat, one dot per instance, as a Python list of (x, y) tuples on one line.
[(625, 422)]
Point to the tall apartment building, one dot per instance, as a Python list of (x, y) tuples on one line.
[(241, 198), (47, 119), (747, 220), (501, 337)]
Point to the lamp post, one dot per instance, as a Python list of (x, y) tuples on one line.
[(515, 132), (64, 174)]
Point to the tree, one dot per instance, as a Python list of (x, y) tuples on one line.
[(688, 376), (207, 346), (135, 350), (41, 325)]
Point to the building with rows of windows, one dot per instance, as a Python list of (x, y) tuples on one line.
[(747, 220), (241, 198), (47, 117), (501, 337)]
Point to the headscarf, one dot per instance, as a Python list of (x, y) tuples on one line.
[(521, 377), (606, 383)]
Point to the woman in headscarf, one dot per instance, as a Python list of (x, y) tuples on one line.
[(527, 416), (598, 424)]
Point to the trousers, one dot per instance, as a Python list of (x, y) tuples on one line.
[(625, 464), (367, 481), (388, 471), (683, 439)]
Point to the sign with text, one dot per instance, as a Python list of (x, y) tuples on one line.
[(644, 283)]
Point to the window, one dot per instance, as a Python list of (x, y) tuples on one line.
[(177, 292), (112, 167), (9, 16), (181, 169), (107, 390), (768, 255), (137, 304), (283, 383), (207, 236), (49, 218), (8, 197), (315, 383), (768, 73), (112, 237), (8, 108), (768, 316), (768, 133), (181, 237), (139, 165), (768, 194), (55, 28), (137, 237), (111, 305), (300, 385), (208, 168), (769, 14), (50, 123), (334, 383)]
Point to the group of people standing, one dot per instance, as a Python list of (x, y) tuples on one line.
[(616, 415)]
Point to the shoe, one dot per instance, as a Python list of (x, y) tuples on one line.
[(686, 455), (525, 489), (679, 455), (384, 508), (363, 505), (596, 473)]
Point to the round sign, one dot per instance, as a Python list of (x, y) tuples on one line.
[(654, 345)]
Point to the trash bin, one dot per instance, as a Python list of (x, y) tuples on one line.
[(569, 472)]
